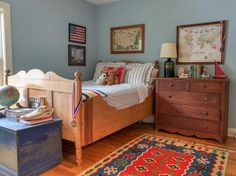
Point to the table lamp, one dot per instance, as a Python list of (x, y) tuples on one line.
[(168, 50)]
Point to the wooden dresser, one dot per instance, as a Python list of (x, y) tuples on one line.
[(192, 107)]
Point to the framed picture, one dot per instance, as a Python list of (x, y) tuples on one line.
[(77, 33), (201, 43), (76, 55), (127, 39)]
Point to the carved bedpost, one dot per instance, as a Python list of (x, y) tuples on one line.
[(157, 66), (6, 74), (78, 132)]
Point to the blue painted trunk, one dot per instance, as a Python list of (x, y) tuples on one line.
[(27, 150)]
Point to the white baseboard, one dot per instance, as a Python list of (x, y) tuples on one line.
[(232, 132)]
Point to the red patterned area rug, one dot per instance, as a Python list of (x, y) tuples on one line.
[(150, 155)]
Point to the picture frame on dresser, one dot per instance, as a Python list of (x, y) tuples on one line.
[(202, 43)]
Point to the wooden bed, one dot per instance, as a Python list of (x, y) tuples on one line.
[(95, 118)]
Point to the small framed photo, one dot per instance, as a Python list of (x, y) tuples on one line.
[(77, 33), (76, 55), (202, 43), (127, 39)]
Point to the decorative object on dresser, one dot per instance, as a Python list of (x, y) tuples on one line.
[(77, 33), (193, 107), (127, 39), (76, 55), (168, 50), (219, 73), (201, 43)]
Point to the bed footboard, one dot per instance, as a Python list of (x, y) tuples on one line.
[(57, 92)]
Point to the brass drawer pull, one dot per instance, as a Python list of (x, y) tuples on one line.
[(172, 85), (169, 96), (168, 108), (206, 99), (205, 113)]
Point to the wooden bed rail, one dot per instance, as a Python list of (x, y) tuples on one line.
[(57, 92)]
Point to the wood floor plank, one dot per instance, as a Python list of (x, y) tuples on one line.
[(93, 153)]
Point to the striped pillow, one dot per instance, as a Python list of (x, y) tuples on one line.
[(152, 73), (101, 65), (137, 73)]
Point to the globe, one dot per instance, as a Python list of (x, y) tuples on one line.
[(9, 95)]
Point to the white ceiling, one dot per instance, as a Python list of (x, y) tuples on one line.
[(97, 2)]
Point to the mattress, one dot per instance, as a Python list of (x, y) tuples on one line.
[(120, 96)]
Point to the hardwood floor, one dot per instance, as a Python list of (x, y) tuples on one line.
[(100, 149)]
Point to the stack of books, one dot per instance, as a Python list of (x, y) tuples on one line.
[(15, 114), (40, 115)]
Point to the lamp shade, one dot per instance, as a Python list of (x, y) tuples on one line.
[(168, 50)]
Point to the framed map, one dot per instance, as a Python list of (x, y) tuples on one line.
[(201, 43), (128, 39)]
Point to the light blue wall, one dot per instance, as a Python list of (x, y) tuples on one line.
[(40, 31), (40, 34), (161, 18)]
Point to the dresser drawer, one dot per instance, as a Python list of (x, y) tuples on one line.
[(205, 113), (188, 98), (205, 87), (178, 122), (172, 85)]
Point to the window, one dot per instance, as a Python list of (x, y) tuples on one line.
[(5, 39)]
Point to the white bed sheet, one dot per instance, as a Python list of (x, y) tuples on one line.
[(122, 95)]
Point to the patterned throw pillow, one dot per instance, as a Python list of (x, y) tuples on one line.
[(120, 73), (101, 65)]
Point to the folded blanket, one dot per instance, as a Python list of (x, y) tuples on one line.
[(90, 93)]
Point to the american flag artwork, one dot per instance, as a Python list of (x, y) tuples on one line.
[(77, 33)]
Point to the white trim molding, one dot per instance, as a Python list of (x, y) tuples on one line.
[(232, 132), (7, 35)]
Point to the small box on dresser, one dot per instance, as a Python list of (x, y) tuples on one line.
[(192, 107), (28, 150)]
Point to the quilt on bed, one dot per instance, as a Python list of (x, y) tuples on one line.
[(118, 96)]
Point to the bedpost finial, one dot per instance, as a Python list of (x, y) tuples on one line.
[(77, 75), (157, 64)]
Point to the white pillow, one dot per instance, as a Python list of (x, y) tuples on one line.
[(101, 65)]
